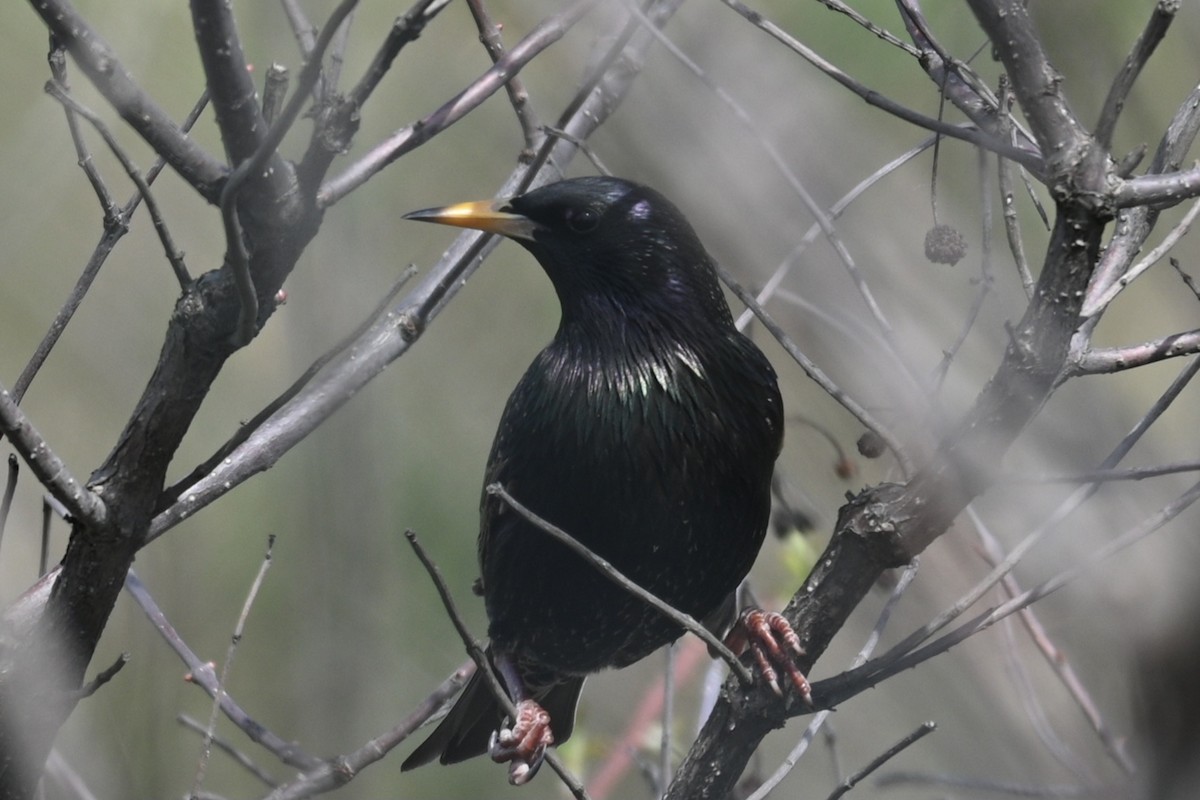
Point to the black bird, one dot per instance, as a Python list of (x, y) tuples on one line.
[(647, 429)]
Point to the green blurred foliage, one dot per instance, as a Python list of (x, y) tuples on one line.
[(347, 634)]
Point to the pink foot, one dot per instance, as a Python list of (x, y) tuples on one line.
[(524, 744), (766, 634)]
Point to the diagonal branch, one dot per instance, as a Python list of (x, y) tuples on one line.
[(547, 32), (1160, 20), (46, 466), (106, 72)]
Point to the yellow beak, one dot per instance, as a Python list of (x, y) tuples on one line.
[(482, 215)]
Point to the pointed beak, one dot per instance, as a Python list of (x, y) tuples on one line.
[(482, 215)]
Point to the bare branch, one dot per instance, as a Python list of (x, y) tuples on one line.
[(489, 35), (404, 30), (227, 666), (815, 373), (108, 240), (892, 39), (871, 97), (46, 466), (1055, 658), (337, 772), (203, 675), (820, 718), (57, 58), (1096, 303), (10, 488), (1160, 20), (1134, 225), (234, 99), (1117, 359), (547, 32), (225, 746), (923, 730), (1012, 227), (244, 431), (102, 67), (103, 677), (1160, 190), (174, 257), (1105, 475)]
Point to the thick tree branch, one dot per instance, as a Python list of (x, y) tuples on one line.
[(234, 98)]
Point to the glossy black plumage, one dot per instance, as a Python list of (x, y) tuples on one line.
[(647, 429)]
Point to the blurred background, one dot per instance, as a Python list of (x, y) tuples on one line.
[(347, 634)]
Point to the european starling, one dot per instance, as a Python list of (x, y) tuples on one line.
[(647, 429)]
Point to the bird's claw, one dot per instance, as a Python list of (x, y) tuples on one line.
[(523, 745), (773, 644)]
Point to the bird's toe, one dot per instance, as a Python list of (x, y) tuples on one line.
[(523, 746)]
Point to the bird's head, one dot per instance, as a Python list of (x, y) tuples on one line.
[(606, 243)]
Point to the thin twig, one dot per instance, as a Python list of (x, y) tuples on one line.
[(302, 28), (1103, 475), (890, 38), (406, 139), (973, 135), (61, 771), (1052, 791), (96, 58), (174, 257), (225, 746), (92, 686), (49, 470), (223, 681), (203, 675), (1156, 28), (405, 29), (57, 58), (108, 240), (923, 730), (1187, 279), (489, 35), (680, 618), (668, 719), (1095, 304), (10, 488), (1012, 226), (816, 374), (832, 214), (484, 665), (1055, 658)]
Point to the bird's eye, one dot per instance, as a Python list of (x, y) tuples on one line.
[(582, 220)]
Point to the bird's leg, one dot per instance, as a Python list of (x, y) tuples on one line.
[(769, 638), (524, 744)]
